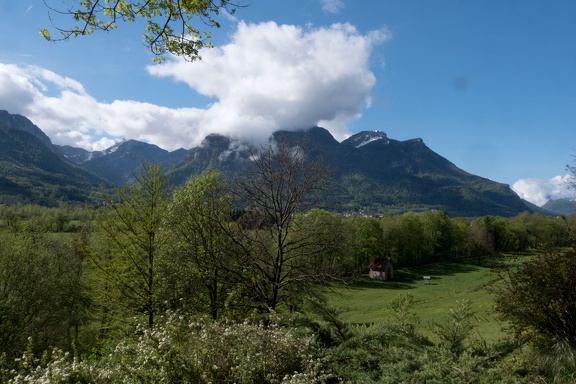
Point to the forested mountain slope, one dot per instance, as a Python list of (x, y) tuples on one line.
[(371, 173), (30, 172)]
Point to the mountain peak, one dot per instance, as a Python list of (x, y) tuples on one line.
[(360, 139), (21, 123), (216, 140)]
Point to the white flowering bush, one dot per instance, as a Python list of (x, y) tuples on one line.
[(58, 368), (180, 351)]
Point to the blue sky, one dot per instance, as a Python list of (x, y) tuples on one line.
[(490, 84)]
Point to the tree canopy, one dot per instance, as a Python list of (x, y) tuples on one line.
[(539, 298), (177, 27)]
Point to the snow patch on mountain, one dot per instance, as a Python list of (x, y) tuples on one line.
[(366, 137)]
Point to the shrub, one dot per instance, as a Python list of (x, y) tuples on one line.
[(181, 351)]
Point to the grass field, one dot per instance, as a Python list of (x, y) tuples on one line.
[(368, 301)]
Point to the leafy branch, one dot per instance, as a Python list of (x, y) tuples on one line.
[(169, 24)]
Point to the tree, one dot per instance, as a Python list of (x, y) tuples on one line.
[(488, 235), (328, 245), (405, 240), (571, 175), (130, 224), (41, 295), (201, 268), (524, 229), (444, 238), (281, 250), (169, 24), (368, 238), (538, 298)]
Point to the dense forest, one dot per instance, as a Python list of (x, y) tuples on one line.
[(181, 286)]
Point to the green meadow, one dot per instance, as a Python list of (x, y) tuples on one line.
[(368, 301)]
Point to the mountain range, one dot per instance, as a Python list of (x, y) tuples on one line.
[(564, 207), (372, 173)]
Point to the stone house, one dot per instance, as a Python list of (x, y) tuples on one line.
[(382, 269)]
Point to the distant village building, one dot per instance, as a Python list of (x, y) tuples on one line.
[(382, 269)]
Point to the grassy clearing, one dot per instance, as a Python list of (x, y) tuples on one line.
[(368, 301)]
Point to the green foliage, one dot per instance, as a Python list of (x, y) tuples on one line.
[(436, 365), (169, 27), (368, 241), (539, 298), (131, 227), (457, 329), (414, 239), (201, 268), (178, 350), (327, 243), (41, 295), (404, 315), (445, 238)]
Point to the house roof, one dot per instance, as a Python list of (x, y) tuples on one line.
[(380, 264)]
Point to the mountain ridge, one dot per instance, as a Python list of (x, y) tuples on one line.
[(31, 172), (564, 207), (372, 173)]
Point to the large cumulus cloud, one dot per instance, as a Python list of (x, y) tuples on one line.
[(282, 77), (268, 77), (539, 191)]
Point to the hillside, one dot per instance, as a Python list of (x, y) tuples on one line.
[(561, 206), (119, 163), (371, 173), (30, 172)]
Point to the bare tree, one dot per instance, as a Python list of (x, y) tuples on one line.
[(284, 251), (572, 175)]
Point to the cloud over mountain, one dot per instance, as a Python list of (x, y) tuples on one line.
[(274, 77), (268, 77), (539, 191)]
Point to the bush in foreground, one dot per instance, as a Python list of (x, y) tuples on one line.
[(181, 351)]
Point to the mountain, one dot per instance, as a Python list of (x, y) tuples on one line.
[(31, 172), (217, 152), (407, 175), (21, 123), (73, 154), (371, 173), (119, 163), (564, 207)]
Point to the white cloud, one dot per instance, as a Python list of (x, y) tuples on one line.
[(282, 77), (539, 191), (268, 77), (332, 6), (68, 115)]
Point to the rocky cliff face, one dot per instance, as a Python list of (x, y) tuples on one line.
[(21, 123)]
